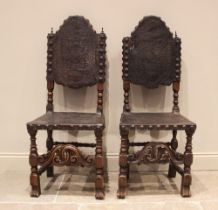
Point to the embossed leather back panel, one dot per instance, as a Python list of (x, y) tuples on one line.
[(151, 54), (75, 47)]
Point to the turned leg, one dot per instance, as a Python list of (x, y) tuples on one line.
[(128, 166), (49, 145), (174, 145), (123, 162), (188, 159), (34, 176), (99, 164)]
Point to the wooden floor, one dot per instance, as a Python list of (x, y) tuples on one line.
[(75, 191)]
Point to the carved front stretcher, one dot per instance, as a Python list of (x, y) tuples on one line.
[(155, 152), (63, 155)]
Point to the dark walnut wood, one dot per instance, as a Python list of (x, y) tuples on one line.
[(151, 57), (151, 54), (76, 58)]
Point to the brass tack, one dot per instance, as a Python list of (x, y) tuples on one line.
[(126, 57), (126, 39)]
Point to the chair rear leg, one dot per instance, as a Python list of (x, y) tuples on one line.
[(49, 145), (174, 145), (99, 164), (124, 167), (171, 171), (128, 165), (33, 160), (188, 159)]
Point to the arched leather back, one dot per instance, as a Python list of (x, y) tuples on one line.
[(151, 54), (74, 54)]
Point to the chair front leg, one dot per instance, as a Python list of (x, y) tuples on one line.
[(99, 164), (123, 162), (174, 145), (33, 160), (49, 145), (188, 159)]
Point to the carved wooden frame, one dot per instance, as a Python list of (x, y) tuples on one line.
[(154, 152), (60, 153)]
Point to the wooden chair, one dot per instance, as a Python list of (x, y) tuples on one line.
[(76, 59), (151, 57)]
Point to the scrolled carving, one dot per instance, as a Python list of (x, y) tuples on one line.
[(64, 155), (152, 57), (153, 152)]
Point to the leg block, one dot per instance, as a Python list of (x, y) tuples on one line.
[(121, 193), (185, 186), (35, 185), (99, 187)]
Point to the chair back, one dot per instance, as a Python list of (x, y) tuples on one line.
[(151, 54)]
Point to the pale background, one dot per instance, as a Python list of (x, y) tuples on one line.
[(24, 25)]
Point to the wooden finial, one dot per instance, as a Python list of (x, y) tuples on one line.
[(102, 30), (176, 34), (51, 30)]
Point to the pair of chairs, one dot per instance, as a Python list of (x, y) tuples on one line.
[(76, 58)]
